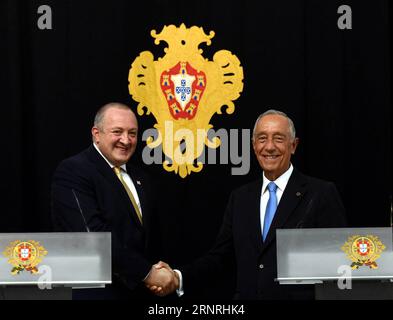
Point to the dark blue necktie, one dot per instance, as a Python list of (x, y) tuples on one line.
[(270, 209)]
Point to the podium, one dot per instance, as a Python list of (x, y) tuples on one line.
[(343, 263), (35, 266)]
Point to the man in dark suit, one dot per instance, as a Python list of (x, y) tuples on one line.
[(282, 198), (97, 190)]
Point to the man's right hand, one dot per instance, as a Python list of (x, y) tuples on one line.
[(162, 280)]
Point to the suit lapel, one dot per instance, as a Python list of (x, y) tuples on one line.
[(252, 208), (104, 168), (293, 194)]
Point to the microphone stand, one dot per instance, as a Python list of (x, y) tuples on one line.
[(80, 210)]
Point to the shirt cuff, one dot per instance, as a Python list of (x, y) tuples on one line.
[(179, 291)]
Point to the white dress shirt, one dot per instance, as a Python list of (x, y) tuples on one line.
[(281, 183), (127, 179)]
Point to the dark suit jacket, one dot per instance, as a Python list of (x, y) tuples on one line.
[(306, 203), (106, 207)]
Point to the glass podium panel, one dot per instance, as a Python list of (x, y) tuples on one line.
[(316, 255), (81, 259)]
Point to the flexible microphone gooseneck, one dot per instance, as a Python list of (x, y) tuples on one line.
[(80, 210)]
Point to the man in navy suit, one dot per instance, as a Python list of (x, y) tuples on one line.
[(282, 198), (97, 190)]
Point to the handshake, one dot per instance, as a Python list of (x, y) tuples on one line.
[(162, 280)]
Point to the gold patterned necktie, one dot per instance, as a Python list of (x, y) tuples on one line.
[(118, 173)]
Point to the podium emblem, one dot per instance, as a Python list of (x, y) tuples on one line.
[(25, 255), (363, 251)]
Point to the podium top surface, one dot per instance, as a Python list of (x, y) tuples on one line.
[(318, 255), (74, 259)]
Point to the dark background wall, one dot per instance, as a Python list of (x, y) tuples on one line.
[(335, 84)]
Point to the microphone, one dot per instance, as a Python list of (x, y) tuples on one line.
[(308, 210), (80, 210)]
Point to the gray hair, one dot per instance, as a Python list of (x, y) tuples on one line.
[(292, 130), (98, 119)]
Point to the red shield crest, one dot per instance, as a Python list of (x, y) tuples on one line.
[(24, 252), (183, 87), (363, 247)]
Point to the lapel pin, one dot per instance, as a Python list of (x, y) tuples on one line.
[(298, 194), (138, 182)]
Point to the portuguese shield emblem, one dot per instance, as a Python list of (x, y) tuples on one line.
[(363, 250), (183, 90)]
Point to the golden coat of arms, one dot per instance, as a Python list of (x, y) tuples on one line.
[(363, 250), (183, 90), (25, 255)]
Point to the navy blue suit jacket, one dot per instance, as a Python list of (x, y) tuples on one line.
[(106, 207), (306, 203)]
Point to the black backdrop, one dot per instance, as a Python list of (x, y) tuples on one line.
[(335, 84)]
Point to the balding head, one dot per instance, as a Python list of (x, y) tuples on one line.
[(100, 115)]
